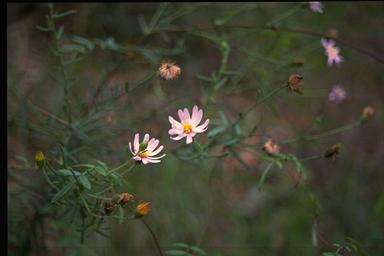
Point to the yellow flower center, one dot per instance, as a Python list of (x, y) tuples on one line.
[(143, 153), (39, 156), (187, 127)]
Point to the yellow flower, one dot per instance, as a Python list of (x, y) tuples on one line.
[(39, 158), (143, 209)]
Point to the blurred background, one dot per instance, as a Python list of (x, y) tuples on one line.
[(229, 58)]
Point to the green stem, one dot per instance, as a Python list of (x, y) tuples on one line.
[(324, 134), (119, 167), (49, 180), (87, 207), (128, 170), (153, 236)]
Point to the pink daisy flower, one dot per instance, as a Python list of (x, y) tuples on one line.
[(332, 52), (188, 125), (316, 6), (337, 94), (146, 151)]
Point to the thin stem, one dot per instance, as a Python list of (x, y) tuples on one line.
[(153, 236), (49, 180), (119, 167), (128, 170), (87, 207), (257, 103), (323, 134)]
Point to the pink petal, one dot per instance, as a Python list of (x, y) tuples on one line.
[(174, 123), (175, 131), (186, 114), (146, 138), (157, 151), (145, 160), (181, 115), (179, 137), (157, 157), (130, 148), (202, 128), (196, 115), (153, 161), (136, 144), (137, 158), (153, 145), (189, 139)]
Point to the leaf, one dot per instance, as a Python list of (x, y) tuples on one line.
[(72, 48), (43, 29), (264, 175), (59, 32), (177, 253), (85, 182), (62, 192), (84, 41), (182, 245), (198, 250), (66, 172), (101, 170), (329, 254), (61, 15), (216, 131)]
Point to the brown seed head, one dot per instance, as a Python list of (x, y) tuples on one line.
[(169, 70), (271, 147), (368, 112), (333, 151), (294, 81)]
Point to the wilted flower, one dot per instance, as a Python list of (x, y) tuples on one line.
[(108, 207), (316, 6), (332, 52), (39, 159), (142, 209), (333, 151), (188, 125), (124, 197), (271, 147), (337, 94), (169, 70), (368, 112), (146, 151), (294, 81)]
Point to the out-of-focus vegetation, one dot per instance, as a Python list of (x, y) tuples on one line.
[(82, 81)]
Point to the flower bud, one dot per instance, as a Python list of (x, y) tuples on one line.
[(40, 159), (294, 81), (142, 209), (367, 114), (271, 147)]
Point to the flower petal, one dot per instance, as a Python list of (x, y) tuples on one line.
[(196, 115), (179, 137), (202, 128), (130, 148), (145, 160), (136, 144), (182, 117), (174, 123), (189, 139), (186, 114), (146, 138), (152, 145), (155, 152), (157, 157)]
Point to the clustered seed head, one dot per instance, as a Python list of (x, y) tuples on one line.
[(117, 200), (333, 151), (271, 147), (124, 197), (168, 70), (294, 83)]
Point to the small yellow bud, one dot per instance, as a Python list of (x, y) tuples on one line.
[(142, 209), (40, 159)]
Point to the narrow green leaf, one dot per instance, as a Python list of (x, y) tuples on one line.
[(177, 253), (264, 175), (181, 245), (62, 192), (85, 182), (121, 214), (43, 29), (66, 172), (59, 32), (198, 250), (61, 15)]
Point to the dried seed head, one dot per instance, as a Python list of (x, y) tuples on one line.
[(368, 112), (39, 158), (271, 147), (169, 70), (294, 81), (333, 151), (124, 197), (108, 207), (142, 209)]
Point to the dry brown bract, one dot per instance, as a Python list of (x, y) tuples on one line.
[(333, 151), (368, 112), (294, 81)]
